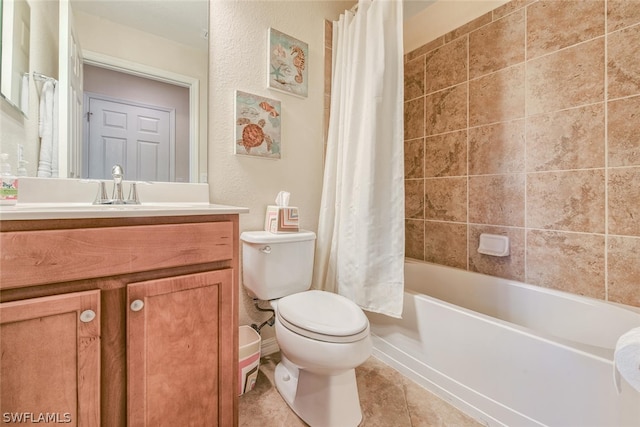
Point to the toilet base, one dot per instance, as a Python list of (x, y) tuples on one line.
[(320, 400)]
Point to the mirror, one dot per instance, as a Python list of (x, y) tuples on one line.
[(164, 41), (16, 34)]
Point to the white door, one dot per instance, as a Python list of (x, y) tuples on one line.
[(140, 138)]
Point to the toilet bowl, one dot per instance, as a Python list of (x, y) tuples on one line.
[(322, 336)]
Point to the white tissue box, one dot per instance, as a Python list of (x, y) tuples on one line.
[(281, 219)]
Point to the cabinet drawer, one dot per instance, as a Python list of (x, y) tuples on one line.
[(51, 256)]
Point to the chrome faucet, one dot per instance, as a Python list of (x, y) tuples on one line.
[(117, 197), (118, 174)]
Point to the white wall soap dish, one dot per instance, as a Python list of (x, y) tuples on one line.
[(494, 245)]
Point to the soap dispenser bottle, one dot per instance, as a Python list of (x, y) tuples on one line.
[(8, 182), (22, 170)]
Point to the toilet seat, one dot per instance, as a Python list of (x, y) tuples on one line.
[(323, 316)]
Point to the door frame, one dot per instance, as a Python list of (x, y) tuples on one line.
[(148, 72), (86, 134)]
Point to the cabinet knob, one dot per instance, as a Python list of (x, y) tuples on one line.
[(137, 305), (87, 316)]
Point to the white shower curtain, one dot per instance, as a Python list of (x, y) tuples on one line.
[(360, 246)]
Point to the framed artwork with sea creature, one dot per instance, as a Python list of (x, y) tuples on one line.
[(287, 64), (258, 130)]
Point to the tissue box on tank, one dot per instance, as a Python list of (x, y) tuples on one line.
[(281, 219)]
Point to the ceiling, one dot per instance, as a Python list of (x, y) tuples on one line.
[(184, 21), (412, 7)]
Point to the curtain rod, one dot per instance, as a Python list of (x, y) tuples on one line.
[(42, 77), (354, 8)]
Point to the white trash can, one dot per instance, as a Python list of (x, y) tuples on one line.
[(249, 355)]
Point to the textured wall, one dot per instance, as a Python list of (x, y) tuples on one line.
[(524, 122), (238, 61)]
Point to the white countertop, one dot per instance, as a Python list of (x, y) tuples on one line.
[(54, 198), (40, 211)]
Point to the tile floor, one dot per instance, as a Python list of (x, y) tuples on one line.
[(388, 399)]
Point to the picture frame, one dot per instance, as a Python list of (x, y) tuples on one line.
[(258, 126), (287, 69)]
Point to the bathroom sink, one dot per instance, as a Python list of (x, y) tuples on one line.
[(59, 210), (53, 198), (91, 207)]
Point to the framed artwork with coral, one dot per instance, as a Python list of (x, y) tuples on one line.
[(287, 64), (258, 127)]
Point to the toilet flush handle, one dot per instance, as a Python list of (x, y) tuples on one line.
[(266, 250)]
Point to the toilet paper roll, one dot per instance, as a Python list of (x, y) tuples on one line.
[(626, 359)]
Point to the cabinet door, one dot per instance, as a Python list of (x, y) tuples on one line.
[(50, 366), (180, 341)]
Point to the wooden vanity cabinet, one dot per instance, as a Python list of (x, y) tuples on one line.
[(162, 348), (173, 365), (50, 367)]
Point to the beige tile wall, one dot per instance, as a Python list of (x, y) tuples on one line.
[(526, 122), (328, 54)]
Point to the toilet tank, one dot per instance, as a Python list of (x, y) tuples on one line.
[(277, 265)]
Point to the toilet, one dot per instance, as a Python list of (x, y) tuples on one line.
[(322, 336)]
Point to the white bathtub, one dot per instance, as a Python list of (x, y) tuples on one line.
[(508, 353)]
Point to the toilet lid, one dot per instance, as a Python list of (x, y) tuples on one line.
[(324, 316)]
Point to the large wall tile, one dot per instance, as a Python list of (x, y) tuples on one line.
[(414, 198), (445, 199), (624, 270), (497, 148), (414, 239), (446, 110), (543, 145), (414, 158), (428, 47), (328, 33), (446, 243), (624, 132), (509, 267), (497, 200), (568, 78), (446, 154), (509, 7), (569, 201), (447, 65), (624, 201), (569, 139), (414, 78), (497, 45), (570, 262), (497, 97), (468, 27), (623, 66), (556, 24), (622, 13), (414, 119), (327, 71)]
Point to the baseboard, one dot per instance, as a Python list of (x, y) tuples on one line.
[(269, 346)]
